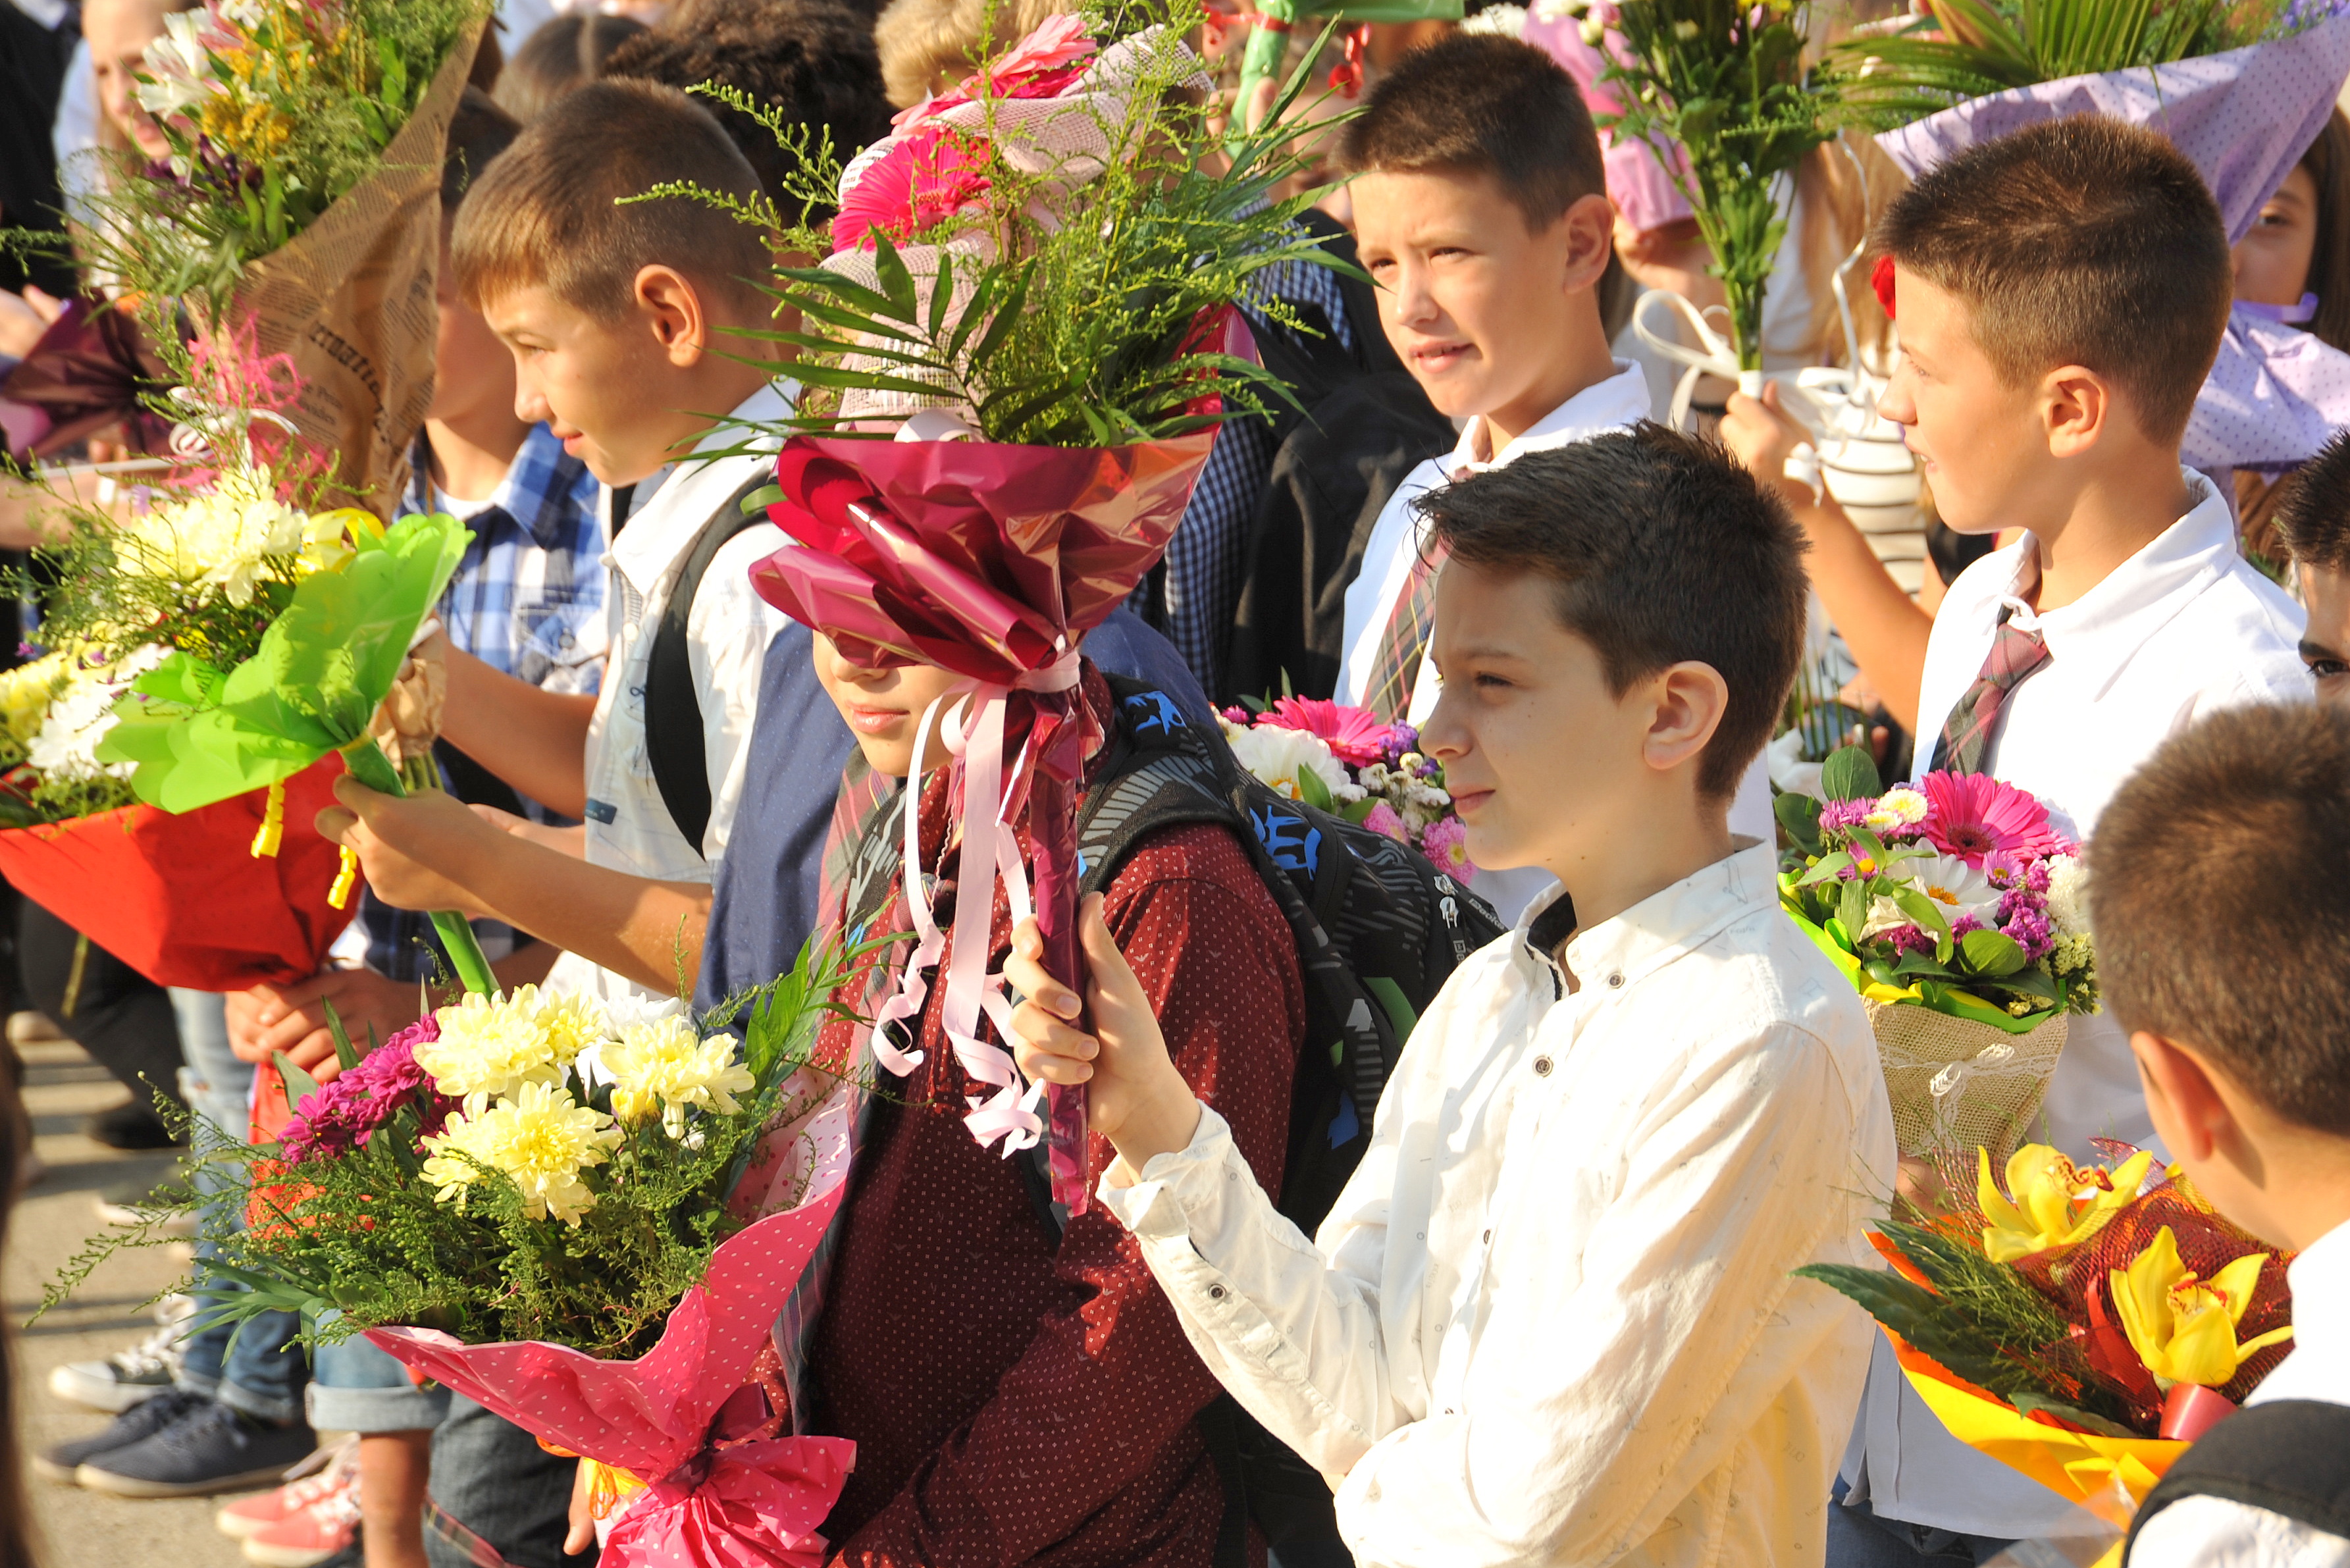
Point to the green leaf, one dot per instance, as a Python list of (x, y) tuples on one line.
[(297, 1082), (1312, 790), (1829, 865), (1990, 953), (1799, 813), (1850, 773), (896, 282), (346, 1056)]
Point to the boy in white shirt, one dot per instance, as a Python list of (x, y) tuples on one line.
[(2060, 293), (1551, 1320), (2220, 899), (620, 318), (2315, 523)]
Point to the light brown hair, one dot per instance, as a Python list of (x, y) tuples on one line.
[(925, 44), (2220, 902), (2078, 242), (552, 211), (1477, 103)]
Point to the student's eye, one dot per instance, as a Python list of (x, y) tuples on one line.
[(1486, 680), (2326, 668)]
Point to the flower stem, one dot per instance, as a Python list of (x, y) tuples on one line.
[(373, 768)]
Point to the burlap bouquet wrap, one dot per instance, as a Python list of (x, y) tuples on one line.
[(350, 301), (1957, 1084)]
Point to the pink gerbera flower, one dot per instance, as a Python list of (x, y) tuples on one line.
[(1353, 735), (1974, 816), (930, 172)]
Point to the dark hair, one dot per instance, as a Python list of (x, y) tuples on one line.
[(2328, 162), (812, 60), (1664, 548), (2077, 242), (1477, 103), (553, 209), (561, 54), (478, 132), (2313, 518), (2219, 901)]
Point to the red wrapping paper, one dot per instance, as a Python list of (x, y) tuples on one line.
[(990, 561), (183, 899)]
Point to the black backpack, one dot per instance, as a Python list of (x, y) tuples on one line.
[(1378, 930), (2290, 1457)]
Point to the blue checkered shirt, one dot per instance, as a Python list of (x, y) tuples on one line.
[(528, 601), (1207, 559)]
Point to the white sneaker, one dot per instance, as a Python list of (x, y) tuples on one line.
[(121, 1381)]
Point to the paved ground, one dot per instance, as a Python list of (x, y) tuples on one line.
[(79, 1528)]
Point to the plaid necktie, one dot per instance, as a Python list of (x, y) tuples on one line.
[(1965, 745), (1395, 667)]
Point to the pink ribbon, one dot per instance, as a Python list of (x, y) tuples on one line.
[(970, 721), (755, 1505)]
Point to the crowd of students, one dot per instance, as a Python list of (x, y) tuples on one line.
[(1551, 1317)]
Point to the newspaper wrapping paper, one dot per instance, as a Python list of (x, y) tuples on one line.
[(350, 300), (2243, 119), (1957, 1084)]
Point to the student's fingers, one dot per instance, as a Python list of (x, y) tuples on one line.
[(335, 822), (46, 306), (1118, 997), (1024, 969), (362, 801), (582, 1535), (1048, 1049)]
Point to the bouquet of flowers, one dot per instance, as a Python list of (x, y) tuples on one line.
[(2083, 1325), (554, 1206), (1342, 760), (1957, 910), (1032, 287), (299, 201)]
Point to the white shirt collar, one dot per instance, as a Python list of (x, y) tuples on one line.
[(2095, 634), (2320, 1280), (1614, 403), (689, 488), (1661, 926)]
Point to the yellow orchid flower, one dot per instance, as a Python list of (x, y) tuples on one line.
[(326, 537), (2182, 1327), (2056, 1203)]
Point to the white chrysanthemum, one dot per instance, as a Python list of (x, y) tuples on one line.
[(541, 1138), (496, 1045), (79, 717), (225, 539), (664, 1067), (2068, 895), (1958, 887), (1898, 808), (1278, 756)]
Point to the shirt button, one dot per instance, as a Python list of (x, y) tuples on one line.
[(1486, 1236), (1616, 981), (1215, 1293), (1542, 1067)]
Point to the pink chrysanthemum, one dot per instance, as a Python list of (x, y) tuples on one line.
[(1384, 818), (1975, 816), (1355, 735), (1446, 844)]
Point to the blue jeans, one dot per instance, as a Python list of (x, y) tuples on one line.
[(354, 1387), (497, 1496), (260, 1374), (1858, 1538)]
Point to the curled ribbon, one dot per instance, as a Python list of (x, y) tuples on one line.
[(970, 721)]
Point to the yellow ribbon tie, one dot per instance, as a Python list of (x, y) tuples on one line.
[(608, 1485), (272, 832), (347, 877)]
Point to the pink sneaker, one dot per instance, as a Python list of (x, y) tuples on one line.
[(247, 1514), (308, 1536)]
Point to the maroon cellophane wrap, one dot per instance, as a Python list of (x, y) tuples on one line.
[(183, 899), (990, 561), (87, 374)]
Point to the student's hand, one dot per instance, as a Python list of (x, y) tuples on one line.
[(571, 841), (1761, 434), (407, 720), (293, 1018), (404, 844), (582, 1536), (1135, 1097), (23, 318)]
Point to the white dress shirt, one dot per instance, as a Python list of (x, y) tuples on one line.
[(728, 629), (2216, 1533), (2181, 628), (1551, 1318)]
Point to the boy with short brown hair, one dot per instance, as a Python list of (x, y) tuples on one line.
[(623, 317), (2060, 293), (2314, 522)]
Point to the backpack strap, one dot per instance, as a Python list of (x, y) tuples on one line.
[(2290, 1457), (673, 738)]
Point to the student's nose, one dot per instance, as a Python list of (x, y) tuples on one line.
[(531, 406), (1409, 300), (1898, 403)]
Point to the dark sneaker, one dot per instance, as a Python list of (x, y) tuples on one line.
[(130, 1126), (141, 1421), (212, 1448)]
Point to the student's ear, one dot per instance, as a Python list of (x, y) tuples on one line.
[(2185, 1104), (1588, 228), (2077, 406), (1687, 703), (672, 308)]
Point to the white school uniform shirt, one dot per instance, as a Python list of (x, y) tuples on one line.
[(628, 827), (2182, 628), (1551, 1318), (2216, 1533)]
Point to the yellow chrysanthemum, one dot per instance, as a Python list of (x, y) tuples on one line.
[(2182, 1327), (664, 1067), (496, 1044), (2056, 1203), (26, 692), (541, 1138)]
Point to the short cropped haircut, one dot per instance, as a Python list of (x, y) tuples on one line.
[(478, 132), (811, 60), (2219, 903), (551, 212), (2077, 242), (2313, 518), (1477, 103), (1664, 549)]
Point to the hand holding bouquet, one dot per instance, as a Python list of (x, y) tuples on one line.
[(1342, 760)]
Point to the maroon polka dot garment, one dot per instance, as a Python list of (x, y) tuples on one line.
[(1013, 1402)]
